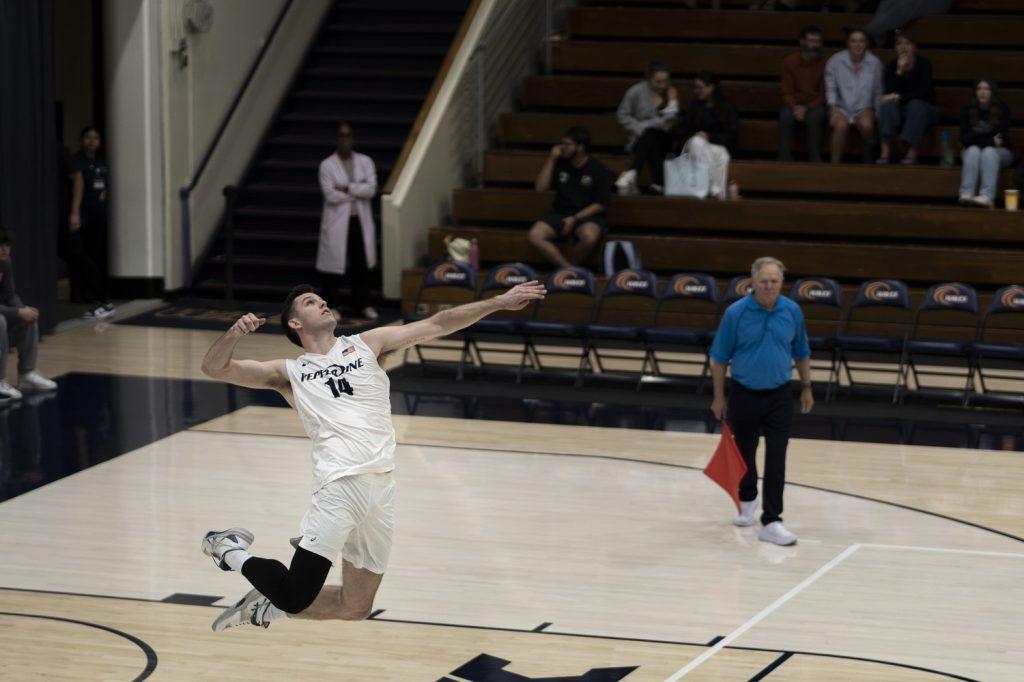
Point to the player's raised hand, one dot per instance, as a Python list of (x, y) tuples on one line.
[(519, 296), (248, 323)]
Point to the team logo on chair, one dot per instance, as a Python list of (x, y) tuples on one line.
[(950, 294), (631, 280), (813, 290), (449, 272), (743, 287), (688, 285), (881, 292), (568, 280), (1013, 298), (509, 277)]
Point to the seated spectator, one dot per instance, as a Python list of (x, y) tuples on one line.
[(909, 100), (19, 324), (582, 192), (647, 112), (853, 89), (710, 128), (803, 94), (894, 14), (984, 123)]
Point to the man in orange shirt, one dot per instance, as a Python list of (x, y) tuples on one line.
[(803, 94)]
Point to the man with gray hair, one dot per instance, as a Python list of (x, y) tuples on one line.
[(762, 334)]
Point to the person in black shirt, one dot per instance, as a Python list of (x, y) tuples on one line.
[(710, 128), (984, 135), (93, 232), (582, 192), (909, 99)]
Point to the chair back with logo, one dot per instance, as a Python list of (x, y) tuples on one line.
[(821, 299), (445, 283), (690, 299), (739, 286), (999, 350), (570, 297), (630, 297), (949, 311), (500, 279), (1004, 318), (880, 303)]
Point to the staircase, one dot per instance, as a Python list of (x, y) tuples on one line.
[(372, 64)]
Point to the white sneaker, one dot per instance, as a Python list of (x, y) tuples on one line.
[(249, 610), (777, 533), (100, 312), (217, 543), (8, 392), (34, 382), (966, 200), (370, 313), (626, 184), (983, 201), (748, 513)]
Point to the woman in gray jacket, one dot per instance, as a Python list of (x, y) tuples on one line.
[(647, 112)]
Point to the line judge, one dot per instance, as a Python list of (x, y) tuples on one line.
[(762, 334)]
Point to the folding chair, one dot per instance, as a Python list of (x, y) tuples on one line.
[(629, 294), (559, 320), (739, 286), (504, 326), (686, 315), (446, 283), (1004, 316), (954, 306), (881, 303), (821, 300)]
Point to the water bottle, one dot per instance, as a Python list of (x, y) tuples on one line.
[(947, 160)]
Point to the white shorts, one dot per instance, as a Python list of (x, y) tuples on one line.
[(352, 516)]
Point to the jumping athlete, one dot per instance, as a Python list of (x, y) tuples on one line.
[(342, 395)]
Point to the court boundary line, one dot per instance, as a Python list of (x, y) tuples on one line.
[(152, 660), (495, 628), (615, 458), (764, 613)]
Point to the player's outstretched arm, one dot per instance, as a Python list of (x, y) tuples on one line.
[(219, 364), (386, 339)]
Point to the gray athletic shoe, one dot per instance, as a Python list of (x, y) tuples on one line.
[(217, 543), (294, 542), (249, 610)]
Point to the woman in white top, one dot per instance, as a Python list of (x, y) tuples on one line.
[(853, 90), (647, 112)]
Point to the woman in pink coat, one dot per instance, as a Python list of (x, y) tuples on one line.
[(348, 242)]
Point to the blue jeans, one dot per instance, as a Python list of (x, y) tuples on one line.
[(986, 163), (916, 119)]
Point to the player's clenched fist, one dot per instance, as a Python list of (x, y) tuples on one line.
[(248, 323)]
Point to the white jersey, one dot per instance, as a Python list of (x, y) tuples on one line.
[(344, 401)]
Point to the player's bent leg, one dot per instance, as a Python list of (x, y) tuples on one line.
[(353, 600), (291, 589)]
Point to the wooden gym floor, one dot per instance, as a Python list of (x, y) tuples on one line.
[(522, 550)]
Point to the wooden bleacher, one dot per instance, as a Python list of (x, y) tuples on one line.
[(850, 222)]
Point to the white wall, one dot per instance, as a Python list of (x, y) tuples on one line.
[(132, 60), (162, 116)]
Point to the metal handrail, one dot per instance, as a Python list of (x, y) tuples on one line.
[(185, 192)]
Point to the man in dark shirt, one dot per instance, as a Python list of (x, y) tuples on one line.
[(19, 324), (582, 192), (803, 94)]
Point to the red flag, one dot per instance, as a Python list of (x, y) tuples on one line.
[(727, 467)]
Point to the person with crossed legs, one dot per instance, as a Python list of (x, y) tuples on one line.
[(582, 192), (762, 334), (342, 394)]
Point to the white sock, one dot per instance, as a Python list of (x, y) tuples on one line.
[(235, 558)]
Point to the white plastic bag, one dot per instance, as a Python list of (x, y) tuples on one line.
[(685, 176)]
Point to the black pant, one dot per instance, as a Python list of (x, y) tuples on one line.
[(356, 272), (752, 413), (651, 148), (88, 283), (290, 589), (815, 123)]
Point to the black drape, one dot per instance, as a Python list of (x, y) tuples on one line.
[(28, 150)]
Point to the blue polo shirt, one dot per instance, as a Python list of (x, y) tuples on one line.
[(762, 344)]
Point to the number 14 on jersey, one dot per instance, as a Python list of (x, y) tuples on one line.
[(339, 386)]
